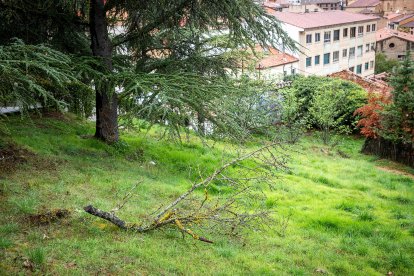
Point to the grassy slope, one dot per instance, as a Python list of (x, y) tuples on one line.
[(346, 215)]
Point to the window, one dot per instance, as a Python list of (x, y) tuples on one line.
[(352, 52), (317, 59), (308, 38), (359, 51), (359, 69), (360, 30), (317, 37), (345, 32), (401, 57), (353, 31), (352, 69), (308, 62), (326, 58), (367, 47), (344, 52), (335, 56), (373, 27), (366, 66), (327, 37), (368, 28), (373, 46), (392, 45), (336, 35), (412, 45), (371, 64)]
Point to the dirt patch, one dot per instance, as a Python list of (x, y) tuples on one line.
[(48, 217), (11, 156), (395, 171)]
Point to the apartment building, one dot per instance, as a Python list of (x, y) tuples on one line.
[(332, 41)]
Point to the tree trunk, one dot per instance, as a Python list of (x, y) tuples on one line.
[(106, 98)]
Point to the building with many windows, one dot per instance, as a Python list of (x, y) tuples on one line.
[(332, 41)]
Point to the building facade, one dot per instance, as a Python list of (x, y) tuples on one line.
[(333, 41), (394, 44)]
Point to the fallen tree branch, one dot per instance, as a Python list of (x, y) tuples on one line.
[(228, 211)]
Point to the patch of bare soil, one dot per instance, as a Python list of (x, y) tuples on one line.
[(395, 171), (11, 156), (48, 217)]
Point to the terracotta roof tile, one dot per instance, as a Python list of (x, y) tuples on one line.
[(321, 19), (273, 58)]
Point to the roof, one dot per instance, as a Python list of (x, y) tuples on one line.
[(304, 2), (274, 58), (369, 84), (399, 19), (386, 33), (366, 11), (320, 19), (364, 3), (408, 25), (392, 15)]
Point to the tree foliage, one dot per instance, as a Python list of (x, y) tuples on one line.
[(146, 41), (307, 88), (383, 64), (32, 75), (391, 116)]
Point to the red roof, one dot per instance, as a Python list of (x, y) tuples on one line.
[(386, 33), (393, 15), (320, 19), (275, 58), (364, 3)]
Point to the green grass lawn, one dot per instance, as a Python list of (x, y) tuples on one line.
[(346, 216)]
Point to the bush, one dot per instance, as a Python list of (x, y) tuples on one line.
[(291, 123), (313, 91)]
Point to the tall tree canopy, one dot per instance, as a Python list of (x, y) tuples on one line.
[(142, 50)]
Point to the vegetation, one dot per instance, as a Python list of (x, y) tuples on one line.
[(387, 119), (383, 64), (335, 213), (170, 38), (325, 103)]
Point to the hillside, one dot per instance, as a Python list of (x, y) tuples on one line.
[(340, 212)]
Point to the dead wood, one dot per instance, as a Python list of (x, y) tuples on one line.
[(230, 211)]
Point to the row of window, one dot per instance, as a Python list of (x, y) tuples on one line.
[(337, 34), (335, 55), (367, 66)]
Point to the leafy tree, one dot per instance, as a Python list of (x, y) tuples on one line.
[(307, 88), (383, 64), (325, 110), (292, 123)]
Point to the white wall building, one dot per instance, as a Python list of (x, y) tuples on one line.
[(332, 41)]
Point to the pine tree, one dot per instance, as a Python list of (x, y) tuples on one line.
[(176, 31), (397, 122)]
